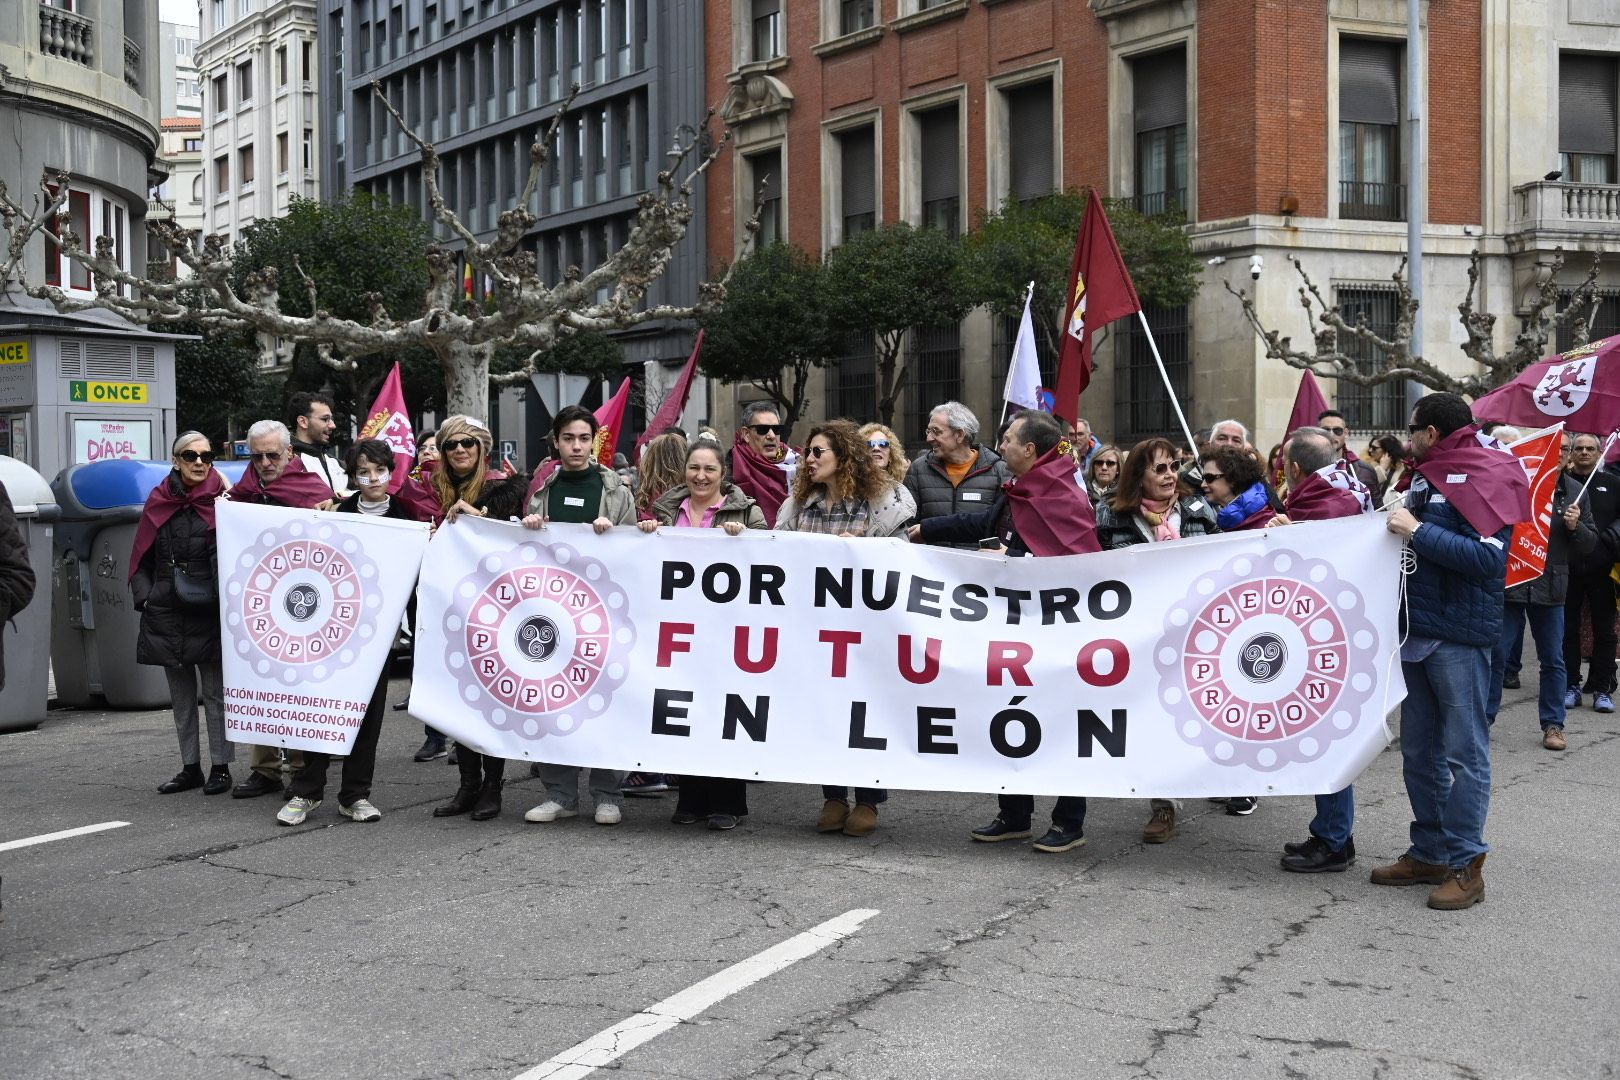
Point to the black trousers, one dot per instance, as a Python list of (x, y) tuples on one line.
[(1594, 593), (478, 769), (706, 795), (1069, 813), (310, 781)]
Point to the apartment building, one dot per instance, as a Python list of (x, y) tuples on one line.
[(182, 86), (182, 194)]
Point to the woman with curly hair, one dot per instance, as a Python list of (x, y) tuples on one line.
[(838, 491), (663, 466), (887, 453)]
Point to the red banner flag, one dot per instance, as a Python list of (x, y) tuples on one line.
[(389, 421), (675, 401), (1527, 554), (1100, 291)]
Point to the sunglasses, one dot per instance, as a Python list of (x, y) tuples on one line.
[(1162, 467), (817, 451), (191, 457), (1208, 476), (1413, 429), (763, 430), (1109, 464), (878, 444), (1336, 430), (265, 455), (461, 444)]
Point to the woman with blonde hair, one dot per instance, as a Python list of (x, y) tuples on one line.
[(663, 466), (887, 453)]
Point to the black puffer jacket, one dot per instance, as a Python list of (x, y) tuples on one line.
[(172, 634), (1118, 531), (936, 496)]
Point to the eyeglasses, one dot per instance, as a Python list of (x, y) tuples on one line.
[(266, 455), (763, 430), (817, 451), (1162, 467), (191, 457), (878, 444), (1110, 464), (461, 444), (1413, 429), (1208, 476), (936, 432)]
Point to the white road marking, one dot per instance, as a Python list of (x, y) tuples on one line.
[(585, 1058), (45, 838)]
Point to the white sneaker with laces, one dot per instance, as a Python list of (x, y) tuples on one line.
[(608, 814), (297, 809), (550, 810), (360, 810)]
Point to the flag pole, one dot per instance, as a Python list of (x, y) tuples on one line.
[(1169, 390), (1603, 452)]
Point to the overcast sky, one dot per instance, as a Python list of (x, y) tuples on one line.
[(179, 11)]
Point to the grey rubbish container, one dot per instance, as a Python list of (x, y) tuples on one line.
[(96, 625), (24, 700)]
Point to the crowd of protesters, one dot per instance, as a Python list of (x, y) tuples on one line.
[(1046, 489)]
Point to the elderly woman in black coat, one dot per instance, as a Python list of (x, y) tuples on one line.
[(174, 575)]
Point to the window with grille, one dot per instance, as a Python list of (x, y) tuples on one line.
[(852, 381), (1605, 324), (1142, 408), (1370, 130), (1159, 83), (1370, 408), (1587, 88), (934, 374), (858, 184), (1030, 157), (939, 154)]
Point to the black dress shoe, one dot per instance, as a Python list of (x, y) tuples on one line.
[(1060, 838), (461, 802), (255, 785), (189, 777), (1510, 682), (1242, 806), (1000, 829), (489, 801), (219, 780), (1316, 857)]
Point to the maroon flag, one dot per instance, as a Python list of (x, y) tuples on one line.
[(1050, 512), (389, 421), (1100, 291), (1580, 387), (162, 504), (1308, 404), (675, 401), (1484, 482)]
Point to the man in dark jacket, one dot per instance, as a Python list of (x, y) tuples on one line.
[(1590, 588), (1332, 421), (1541, 600), (1458, 521), (1051, 515), (954, 475), (16, 576)]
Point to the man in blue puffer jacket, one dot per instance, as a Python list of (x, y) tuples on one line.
[(1458, 520)]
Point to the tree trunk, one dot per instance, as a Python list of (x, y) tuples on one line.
[(889, 382), (466, 378)]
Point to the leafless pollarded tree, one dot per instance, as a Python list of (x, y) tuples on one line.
[(520, 308), (1381, 360)]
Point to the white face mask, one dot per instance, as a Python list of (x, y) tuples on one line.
[(375, 483)]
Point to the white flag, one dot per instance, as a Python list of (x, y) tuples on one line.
[(1024, 372)]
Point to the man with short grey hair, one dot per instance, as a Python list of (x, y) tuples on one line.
[(954, 475), (1231, 433)]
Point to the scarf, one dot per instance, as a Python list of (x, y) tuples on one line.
[(1251, 509), (759, 478), (296, 487), (1050, 513), (164, 502), (1323, 495), (1162, 516), (1484, 482)]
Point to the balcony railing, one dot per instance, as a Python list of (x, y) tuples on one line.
[(1547, 204), (1361, 200), (65, 35), (132, 65), (1151, 203)]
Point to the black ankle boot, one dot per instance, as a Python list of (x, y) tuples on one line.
[(489, 801), (219, 780), (189, 777), (461, 802)]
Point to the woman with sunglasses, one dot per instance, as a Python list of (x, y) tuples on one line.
[(1149, 507), (174, 575), (463, 483), (887, 454), (839, 492), (1102, 475), (1234, 486)]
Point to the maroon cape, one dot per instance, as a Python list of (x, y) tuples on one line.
[(1485, 483), (1315, 499), (162, 504), (1050, 512), (761, 480), (296, 487)]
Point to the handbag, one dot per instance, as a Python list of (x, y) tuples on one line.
[(195, 590)]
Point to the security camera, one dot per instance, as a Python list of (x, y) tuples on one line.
[(1257, 263)]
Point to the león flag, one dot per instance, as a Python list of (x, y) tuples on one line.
[(1100, 291)]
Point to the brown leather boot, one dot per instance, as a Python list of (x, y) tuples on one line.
[(1161, 826), (862, 821), (1462, 888), (833, 816), (1409, 871)]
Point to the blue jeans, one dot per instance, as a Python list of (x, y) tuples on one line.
[(1547, 627), (1335, 818), (1446, 753)]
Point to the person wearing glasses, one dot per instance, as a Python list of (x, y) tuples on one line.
[(310, 423), (1591, 590), (174, 576), (1150, 507), (1233, 484), (956, 474), (1102, 475), (887, 453), (839, 492), (761, 462), (1332, 421)]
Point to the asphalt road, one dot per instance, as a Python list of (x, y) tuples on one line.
[(202, 940)]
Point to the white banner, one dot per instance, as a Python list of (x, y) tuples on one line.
[(309, 603), (1260, 663)]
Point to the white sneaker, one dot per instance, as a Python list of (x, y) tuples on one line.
[(360, 810), (296, 810), (549, 810), (608, 814)]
